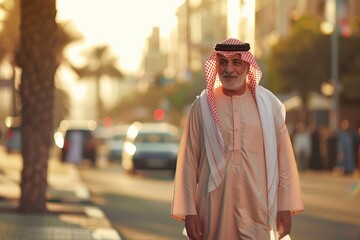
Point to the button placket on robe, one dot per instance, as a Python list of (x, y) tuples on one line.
[(236, 102)]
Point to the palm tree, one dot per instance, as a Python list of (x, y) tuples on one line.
[(39, 54), (100, 62)]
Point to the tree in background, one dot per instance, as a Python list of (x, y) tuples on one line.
[(186, 93), (301, 61), (9, 35), (61, 105), (10, 32), (9, 40), (177, 95), (40, 52), (67, 34), (100, 62), (349, 67)]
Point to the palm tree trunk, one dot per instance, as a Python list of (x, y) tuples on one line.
[(99, 102), (37, 59)]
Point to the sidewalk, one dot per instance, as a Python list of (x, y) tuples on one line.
[(72, 215)]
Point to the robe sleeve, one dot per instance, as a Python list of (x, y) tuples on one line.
[(289, 192), (187, 166)]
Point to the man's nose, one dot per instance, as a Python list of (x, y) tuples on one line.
[(229, 68)]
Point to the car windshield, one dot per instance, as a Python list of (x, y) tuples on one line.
[(155, 138), (84, 133), (118, 137)]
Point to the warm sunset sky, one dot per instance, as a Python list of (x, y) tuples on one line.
[(123, 24)]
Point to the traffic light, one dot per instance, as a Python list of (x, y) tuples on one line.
[(159, 114)]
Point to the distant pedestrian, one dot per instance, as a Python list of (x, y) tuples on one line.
[(302, 146), (357, 148), (315, 156), (75, 152), (346, 158), (331, 149)]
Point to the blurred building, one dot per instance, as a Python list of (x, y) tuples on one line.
[(202, 23), (272, 21), (274, 18), (155, 60)]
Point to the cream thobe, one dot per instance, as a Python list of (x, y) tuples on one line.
[(237, 209)]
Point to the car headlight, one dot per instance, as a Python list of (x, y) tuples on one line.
[(59, 140), (130, 148)]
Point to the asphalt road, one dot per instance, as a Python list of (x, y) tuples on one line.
[(332, 207), (139, 206)]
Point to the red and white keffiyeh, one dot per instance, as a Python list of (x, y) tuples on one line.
[(212, 77)]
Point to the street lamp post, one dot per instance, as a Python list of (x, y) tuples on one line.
[(335, 68)]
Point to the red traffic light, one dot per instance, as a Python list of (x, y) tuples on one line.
[(159, 114)]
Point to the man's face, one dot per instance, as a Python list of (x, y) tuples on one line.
[(232, 71)]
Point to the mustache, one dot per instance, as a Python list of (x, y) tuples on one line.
[(229, 75)]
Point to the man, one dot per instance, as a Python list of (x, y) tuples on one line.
[(236, 175)]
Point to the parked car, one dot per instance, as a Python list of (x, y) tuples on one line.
[(76, 141), (12, 136), (150, 146), (110, 140)]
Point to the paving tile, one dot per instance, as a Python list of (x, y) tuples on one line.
[(70, 199)]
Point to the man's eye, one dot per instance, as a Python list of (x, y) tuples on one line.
[(223, 62), (237, 63)]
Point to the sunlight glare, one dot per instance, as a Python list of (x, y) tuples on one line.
[(233, 17), (124, 25)]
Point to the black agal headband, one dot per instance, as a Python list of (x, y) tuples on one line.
[(232, 47)]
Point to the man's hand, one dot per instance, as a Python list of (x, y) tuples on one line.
[(193, 227), (283, 223)]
